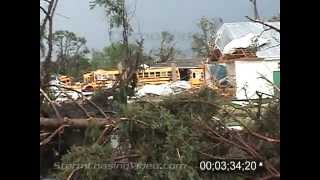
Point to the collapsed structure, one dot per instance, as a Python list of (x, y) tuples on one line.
[(251, 54)]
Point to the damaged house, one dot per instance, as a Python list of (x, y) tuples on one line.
[(250, 53)]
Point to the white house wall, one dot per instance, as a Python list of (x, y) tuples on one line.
[(247, 76)]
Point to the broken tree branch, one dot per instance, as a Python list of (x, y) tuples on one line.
[(244, 146), (263, 23), (46, 18), (270, 82), (45, 12), (223, 139), (48, 139), (77, 123), (43, 135), (73, 173), (83, 97), (268, 165), (53, 105), (126, 156), (255, 134), (138, 121), (79, 105), (105, 132)]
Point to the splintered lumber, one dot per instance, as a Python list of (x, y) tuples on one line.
[(76, 122)]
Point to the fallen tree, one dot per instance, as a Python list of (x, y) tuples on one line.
[(180, 129), (49, 123)]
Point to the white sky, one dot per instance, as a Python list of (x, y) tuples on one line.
[(153, 16)]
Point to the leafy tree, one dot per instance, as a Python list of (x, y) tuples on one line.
[(79, 66), (117, 17), (98, 60), (111, 55), (71, 51), (200, 42), (167, 50)]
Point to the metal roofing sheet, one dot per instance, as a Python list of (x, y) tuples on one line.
[(230, 31)]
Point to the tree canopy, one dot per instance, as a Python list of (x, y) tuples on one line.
[(111, 55), (71, 51)]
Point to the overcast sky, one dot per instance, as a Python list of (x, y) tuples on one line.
[(153, 16)]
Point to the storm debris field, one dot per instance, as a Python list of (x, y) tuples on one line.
[(124, 104), (199, 124)]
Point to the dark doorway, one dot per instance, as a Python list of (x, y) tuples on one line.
[(184, 74)]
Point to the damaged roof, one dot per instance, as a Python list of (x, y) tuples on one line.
[(232, 31)]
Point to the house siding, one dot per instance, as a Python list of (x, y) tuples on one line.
[(248, 76)]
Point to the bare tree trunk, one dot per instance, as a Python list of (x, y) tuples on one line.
[(126, 68), (255, 9), (46, 18), (46, 75), (51, 123), (263, 23)]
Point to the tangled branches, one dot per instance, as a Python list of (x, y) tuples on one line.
[(181, 129)]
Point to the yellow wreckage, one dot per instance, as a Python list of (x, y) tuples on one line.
[(101, 79)]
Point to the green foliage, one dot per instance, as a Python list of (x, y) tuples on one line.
[(69, 44), (172, 131), (111, 55), (91, 134), (169, 134), (155, 139), (71, 51), (84, 157), (270, 121), (204, 103), (117, 17)]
